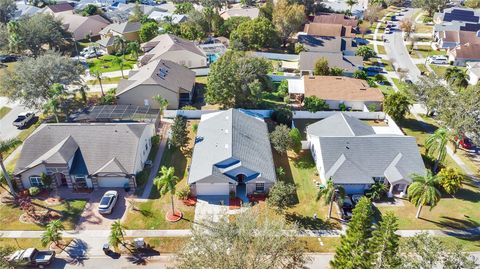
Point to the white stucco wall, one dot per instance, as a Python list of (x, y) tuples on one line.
[(142, 151)]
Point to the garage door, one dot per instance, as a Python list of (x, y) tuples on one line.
[(212, 188), (112, 182)]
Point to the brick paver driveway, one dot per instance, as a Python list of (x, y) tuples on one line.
[(92, 220)]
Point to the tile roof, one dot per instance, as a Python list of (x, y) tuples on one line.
[(231, 135), (334, 18), (98, 143), (466, 51), (341, 89), (169, 75)]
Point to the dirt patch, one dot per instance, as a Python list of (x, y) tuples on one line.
[(40, 217)]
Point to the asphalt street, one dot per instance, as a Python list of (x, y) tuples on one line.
[(397, 51)]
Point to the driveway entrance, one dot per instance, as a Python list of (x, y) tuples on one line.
[(211, 208)]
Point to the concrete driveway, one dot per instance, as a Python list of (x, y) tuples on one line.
[(7, 130), (92, 220), (210, 208)]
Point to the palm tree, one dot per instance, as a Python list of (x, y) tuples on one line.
[(162, 103), (117, 231), (51, 106), (7, 145), (119, 44), (437, 143), (83, 94), (456, 77), (423, 191), (53, 233), (351, 3), (120, 62), (329, 193), (166, 183), (98, 75), (377, 191), (134, 48)]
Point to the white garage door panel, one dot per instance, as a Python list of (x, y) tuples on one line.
[(112, 182), (212, 189)]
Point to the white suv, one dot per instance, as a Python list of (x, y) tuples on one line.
[(437, 60)]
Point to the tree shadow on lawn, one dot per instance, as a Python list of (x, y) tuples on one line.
[(454, 223), (309, 223), (417, 126), (467, 195)]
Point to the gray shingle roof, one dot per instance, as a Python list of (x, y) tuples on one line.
[(165, 73), (99, 143), (347, 63), (340, 124), (227, 135), (166, 42), (351, 155)]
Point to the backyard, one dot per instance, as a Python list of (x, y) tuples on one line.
[(106, 63), (151, 214)]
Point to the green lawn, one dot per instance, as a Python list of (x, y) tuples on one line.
[(439, 69), (423, 28), (151, 214), (422, 68), (4, 111), (165, 244), (70, 209), (301, 170), (426, 51), (10, 67), (381, 49), (320, 244), (113, 80), (400, 84), (105, 64), (457, 212), (202, 80)]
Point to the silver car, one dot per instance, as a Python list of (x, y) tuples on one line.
[(107, 202)]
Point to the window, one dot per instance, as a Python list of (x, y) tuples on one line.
[(379, 179), (81, 181), (259, 186), (36, 181)]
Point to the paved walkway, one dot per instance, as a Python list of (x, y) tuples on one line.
[(156, 163), (211, 209)]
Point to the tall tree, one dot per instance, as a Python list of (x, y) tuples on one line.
[(120, 45), (366, 52), (251, 241), (53, 233), (6, 146), (57, 97), (254, 34), (134, 48), (31, 79), (98, 74), (287, 18), (34, 32), (385, 242), (280, 139), (430, 92), (406, 25), (436, 145), (282, 196), (183, 8), (148, 31), (450, 180), (430, 6), (457, 77), (329, 193), (229, 89), (120, 61), (179, 132), (162, 103), (397, 105), (321, 67), (166, 183), (230, 24), (423, 191), (372, 13), (354, 251), (7, 10)]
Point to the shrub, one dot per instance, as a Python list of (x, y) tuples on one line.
[(314, 104), (283, 116), (195, 127), (33, 191), (155, 140), (183, 193), (281, 196), (280, 139), (188, 108), (342, 107), (283, 88)]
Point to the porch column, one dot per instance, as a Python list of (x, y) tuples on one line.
[(390, 191)]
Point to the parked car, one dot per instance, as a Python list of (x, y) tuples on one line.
[(32, 257), (374, 70), (23, 119), (387, 31), (107, 203), (465, 142), (8, 58), (437, 60)]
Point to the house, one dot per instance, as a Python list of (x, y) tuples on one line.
[(461, 54), (159, 77), (25, 10), (84, 155), (160, 16), (345, 45), (473, 72), (451, 39), (119, 12), (173, 48), (352, 155), (60, 8), (126, 30), (349, 64), (83, 27), (331, 30), (353, 93), (232, 154), (99, 3), (251, 12), (335, 18)]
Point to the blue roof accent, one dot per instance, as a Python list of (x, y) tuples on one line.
[(78, 164), (227, 163), (251, 113)]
